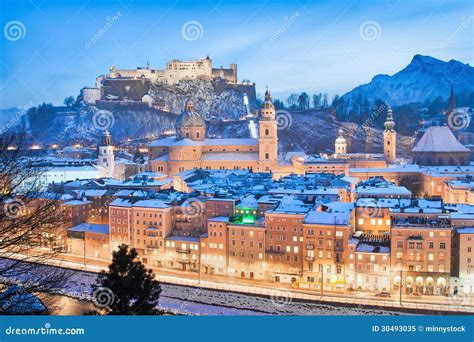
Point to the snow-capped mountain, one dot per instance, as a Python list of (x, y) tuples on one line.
[(425, 78)]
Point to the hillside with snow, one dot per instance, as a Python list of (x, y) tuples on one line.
[(424, 79)]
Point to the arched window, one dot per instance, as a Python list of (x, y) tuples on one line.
[(267, 132)]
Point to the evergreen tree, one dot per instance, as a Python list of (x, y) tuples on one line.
[(325, 103), (129, 288), (303, 101), (292, 101), (69, 101), (278, 104), (317, 100)]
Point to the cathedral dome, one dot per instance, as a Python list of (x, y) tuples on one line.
[(189, 117)]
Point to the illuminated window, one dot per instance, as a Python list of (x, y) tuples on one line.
[(361, 221), (372, 222)]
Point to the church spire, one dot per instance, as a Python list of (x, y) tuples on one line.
[(389, 123), (268, 95), (452, 100)]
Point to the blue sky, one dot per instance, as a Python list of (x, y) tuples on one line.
[(291, 46)]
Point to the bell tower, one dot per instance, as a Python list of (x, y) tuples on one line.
[(389, 138), (340, 146), (106, 160), (267, 136)]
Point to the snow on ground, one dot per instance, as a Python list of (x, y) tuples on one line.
[(200, 301)]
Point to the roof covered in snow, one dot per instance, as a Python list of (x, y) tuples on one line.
[(439, 139), (91, 227), (230, 156), (328, 217)]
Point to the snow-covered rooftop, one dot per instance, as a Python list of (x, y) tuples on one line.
[(230, 156), (328, 217), (439, 139), (91, 227)]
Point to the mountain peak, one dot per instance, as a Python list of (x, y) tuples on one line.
[(424, 78)]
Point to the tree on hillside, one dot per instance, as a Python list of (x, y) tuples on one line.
[(325, 101), (317, 100), (303, 101), (292, 101), (278, 104), (69, 101), (127, 288)]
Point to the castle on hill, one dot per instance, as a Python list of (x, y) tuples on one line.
[(133, 85)]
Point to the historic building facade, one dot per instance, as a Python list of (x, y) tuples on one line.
[(190, 149)]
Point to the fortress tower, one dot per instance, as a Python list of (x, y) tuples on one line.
[(389, 138), (268, 139), (106, 161)]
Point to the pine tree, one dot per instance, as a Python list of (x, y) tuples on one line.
[(128, 288)]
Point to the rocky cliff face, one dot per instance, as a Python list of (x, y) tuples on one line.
[(86, 125), (226, 105)]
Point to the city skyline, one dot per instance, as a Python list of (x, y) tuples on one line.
[(49, 64)]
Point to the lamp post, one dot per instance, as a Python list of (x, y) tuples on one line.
[(322, 279), (401, 277)]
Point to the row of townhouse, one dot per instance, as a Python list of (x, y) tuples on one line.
[(374, 244)]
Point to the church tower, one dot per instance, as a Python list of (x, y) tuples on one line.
[(340, 146), (106, 160), (451, 101), (268, 139), (389, 138)]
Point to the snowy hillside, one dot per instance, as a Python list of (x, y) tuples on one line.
[(425, 78)]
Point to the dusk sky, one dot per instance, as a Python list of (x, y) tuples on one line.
[(291, 46)]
